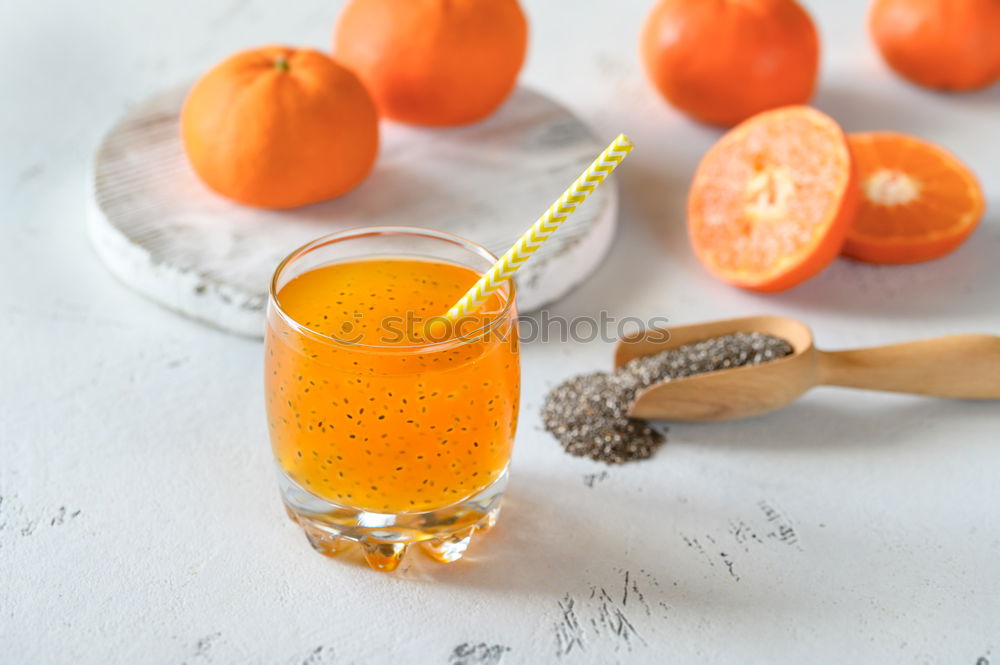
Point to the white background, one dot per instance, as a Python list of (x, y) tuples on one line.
[(140, 523)]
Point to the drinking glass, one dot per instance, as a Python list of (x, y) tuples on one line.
[(385, 434)]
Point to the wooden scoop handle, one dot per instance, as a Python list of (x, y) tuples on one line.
[(958, 366)]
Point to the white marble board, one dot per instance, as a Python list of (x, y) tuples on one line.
[(162, 232)]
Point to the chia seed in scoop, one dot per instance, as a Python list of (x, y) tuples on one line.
[(588, 413)]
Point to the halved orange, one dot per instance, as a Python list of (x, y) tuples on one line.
[(772, 200), (918, 201)]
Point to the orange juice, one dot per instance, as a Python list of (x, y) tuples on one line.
[(366, 408)]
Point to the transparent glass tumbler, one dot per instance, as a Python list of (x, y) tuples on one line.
[(385, 436)]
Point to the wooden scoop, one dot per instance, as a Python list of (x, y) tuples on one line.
[(957, 366)]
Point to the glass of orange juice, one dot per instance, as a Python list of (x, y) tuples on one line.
[(387, 431)]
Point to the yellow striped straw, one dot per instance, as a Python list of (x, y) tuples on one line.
[(540, 231)]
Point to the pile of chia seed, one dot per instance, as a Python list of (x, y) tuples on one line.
[(587, 413)]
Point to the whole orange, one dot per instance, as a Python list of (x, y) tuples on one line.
[(722, 61), (434, 62), (276, 127), (947, 44)]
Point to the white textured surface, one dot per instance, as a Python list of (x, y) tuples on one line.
[(140, 521), (170, 238)]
